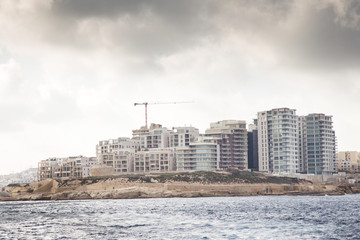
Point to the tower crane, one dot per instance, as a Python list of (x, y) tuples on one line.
[(147, 103)]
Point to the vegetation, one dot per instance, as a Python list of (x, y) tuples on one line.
[(204, 177)]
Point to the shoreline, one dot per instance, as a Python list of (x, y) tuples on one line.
[(196, 184)]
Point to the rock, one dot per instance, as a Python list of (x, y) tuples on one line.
[(5, 195)]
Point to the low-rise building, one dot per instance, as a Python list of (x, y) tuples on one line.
[(155, 160), (198, 156), (71, 167), (349, 161), (118, 153), (46, 168)]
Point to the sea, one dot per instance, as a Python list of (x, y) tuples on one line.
[(260, 217)]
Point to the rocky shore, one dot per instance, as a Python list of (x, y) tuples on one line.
[(195, 184)]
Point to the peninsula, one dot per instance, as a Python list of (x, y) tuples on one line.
[(164, 185)]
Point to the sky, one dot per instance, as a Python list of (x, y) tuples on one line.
[(71, 71)]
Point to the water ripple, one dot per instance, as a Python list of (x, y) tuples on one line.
[(267, 217)]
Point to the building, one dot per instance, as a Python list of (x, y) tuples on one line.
[(75, 167), (317, 144), (253, 160), (71, 167), (183, 136), (46, 168), (198, 156), (349, 161), (137, 133), (231, 136), (118, 153), (156, 138), (164, 138), (121, 162), (277, 141), (155, 160), (302, 163)]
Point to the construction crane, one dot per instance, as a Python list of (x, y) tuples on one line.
[(147, 103)]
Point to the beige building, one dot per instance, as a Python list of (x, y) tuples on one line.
[(137, 133), (231, 136), (155, 160), (349, 161), (162, 137), (71, 167), (156, 138), (183, 136), (118, 153), (46, 168), (121, 162)]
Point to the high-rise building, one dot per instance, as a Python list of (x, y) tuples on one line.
[(253, 160), (317, 143), (277, 141), (302, 163), (231, 136)]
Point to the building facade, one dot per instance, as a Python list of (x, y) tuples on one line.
[(71, 167), (253, 160), (46, 168), (349, 161), (277, 141), (118, 153), (198, 156), (183, 136), (155, 160), (318, 144), (231, 136)]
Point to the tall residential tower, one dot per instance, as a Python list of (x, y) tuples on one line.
[(277, 141), (318, 144)]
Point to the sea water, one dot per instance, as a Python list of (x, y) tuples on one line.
[(262, 217)]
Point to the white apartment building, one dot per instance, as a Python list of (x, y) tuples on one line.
[(277, 141), (198, 156)]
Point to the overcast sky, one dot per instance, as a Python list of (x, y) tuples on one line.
[(70, 70)]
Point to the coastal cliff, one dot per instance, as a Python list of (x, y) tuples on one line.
[(194, 184)]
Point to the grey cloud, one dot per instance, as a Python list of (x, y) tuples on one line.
[(146, 28), (321, 43), (319, 35)]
